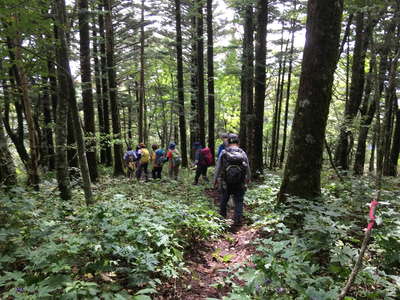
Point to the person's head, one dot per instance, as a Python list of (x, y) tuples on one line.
[(197, 145), (129, 148), (154, 146), (224, 137), (142, 145), (233, 139), (172, 146)]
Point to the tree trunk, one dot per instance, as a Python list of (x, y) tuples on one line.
[(141, 126), (48, 131), (87, 93), (259, 84), (71, 143), (67, 94), (118, 166), (23, 89), (356, 91), (194, 123), (200, 73), (289, 82), (106, 138), (246, 106), (395, 150), (302, 175), (210, 79), (99, 94), (180, 83), (8, 175)]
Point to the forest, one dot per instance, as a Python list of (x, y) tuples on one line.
[(96, 93)]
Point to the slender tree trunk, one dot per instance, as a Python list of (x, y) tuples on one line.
[(210, 79), (194, 117), (99, 94), (247, 82), (356, 91), (87, 93), (48, 131), (259, 84), (141, 91), (106, 139), (71, 143), (69, 94), (118, 166), (302, 175), (200, 73), (180, 83), (372, 156), (8, 175), (289, 82), (22, 84), (395, 150)]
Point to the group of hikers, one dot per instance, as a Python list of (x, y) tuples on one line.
[(232, 171)]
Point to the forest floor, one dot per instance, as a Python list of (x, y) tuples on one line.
[(212, 262)]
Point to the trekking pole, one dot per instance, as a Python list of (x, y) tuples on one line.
[(374, 203)]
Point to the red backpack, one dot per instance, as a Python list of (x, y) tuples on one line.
[(206, 156)]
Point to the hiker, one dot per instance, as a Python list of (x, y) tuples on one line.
[(175, 160), (224, 138), (203, 159), (158, 159), (231, 175), (143, 162), (130, 159)]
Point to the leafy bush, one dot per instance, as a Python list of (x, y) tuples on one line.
[(134, 236), (314, 261)]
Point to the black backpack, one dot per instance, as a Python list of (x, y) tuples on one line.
[(234, 167)]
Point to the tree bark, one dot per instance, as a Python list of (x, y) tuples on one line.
[(259, 84), (194, 118), (8, 175), (118, 166), (302, 175), (67, 95), (106, 138), (99, 94), (200, 73), (141, 126), (180, 83), (48, 131), (210, 79), (87, 93), (247, 83)]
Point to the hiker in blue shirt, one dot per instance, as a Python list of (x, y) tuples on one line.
[(130, 159), (224, 137)]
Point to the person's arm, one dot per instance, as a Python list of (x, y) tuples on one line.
[(220, 148), (218, 170), (248, 171)]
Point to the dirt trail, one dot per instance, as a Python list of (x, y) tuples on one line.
[(210, 264)]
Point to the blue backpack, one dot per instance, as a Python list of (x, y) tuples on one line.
[(160, 157)]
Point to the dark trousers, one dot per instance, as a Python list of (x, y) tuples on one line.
[(142, 168), (238, 196), (156, 172), (200, 170)]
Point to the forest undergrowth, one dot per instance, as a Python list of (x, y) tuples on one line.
[(140, 237)]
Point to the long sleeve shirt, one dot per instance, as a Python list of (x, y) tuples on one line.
[(219, 167)]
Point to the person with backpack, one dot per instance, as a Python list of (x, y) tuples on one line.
[(224, 138), (158, 159), (175, 160), (232, 173), (203, 159), (143, 162), (130, 159)]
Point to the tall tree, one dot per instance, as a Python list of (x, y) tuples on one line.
[(247, 83), (142, 121), (180, 83), (210, 78), (260, 83), (87, 94), (118, 166), (106, 141), (68, 95), (302, 175), (200, 72), (356, 90)]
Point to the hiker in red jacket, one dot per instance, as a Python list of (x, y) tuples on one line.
[(203, 159)]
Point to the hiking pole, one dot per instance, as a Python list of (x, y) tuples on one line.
[(374, 203)]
